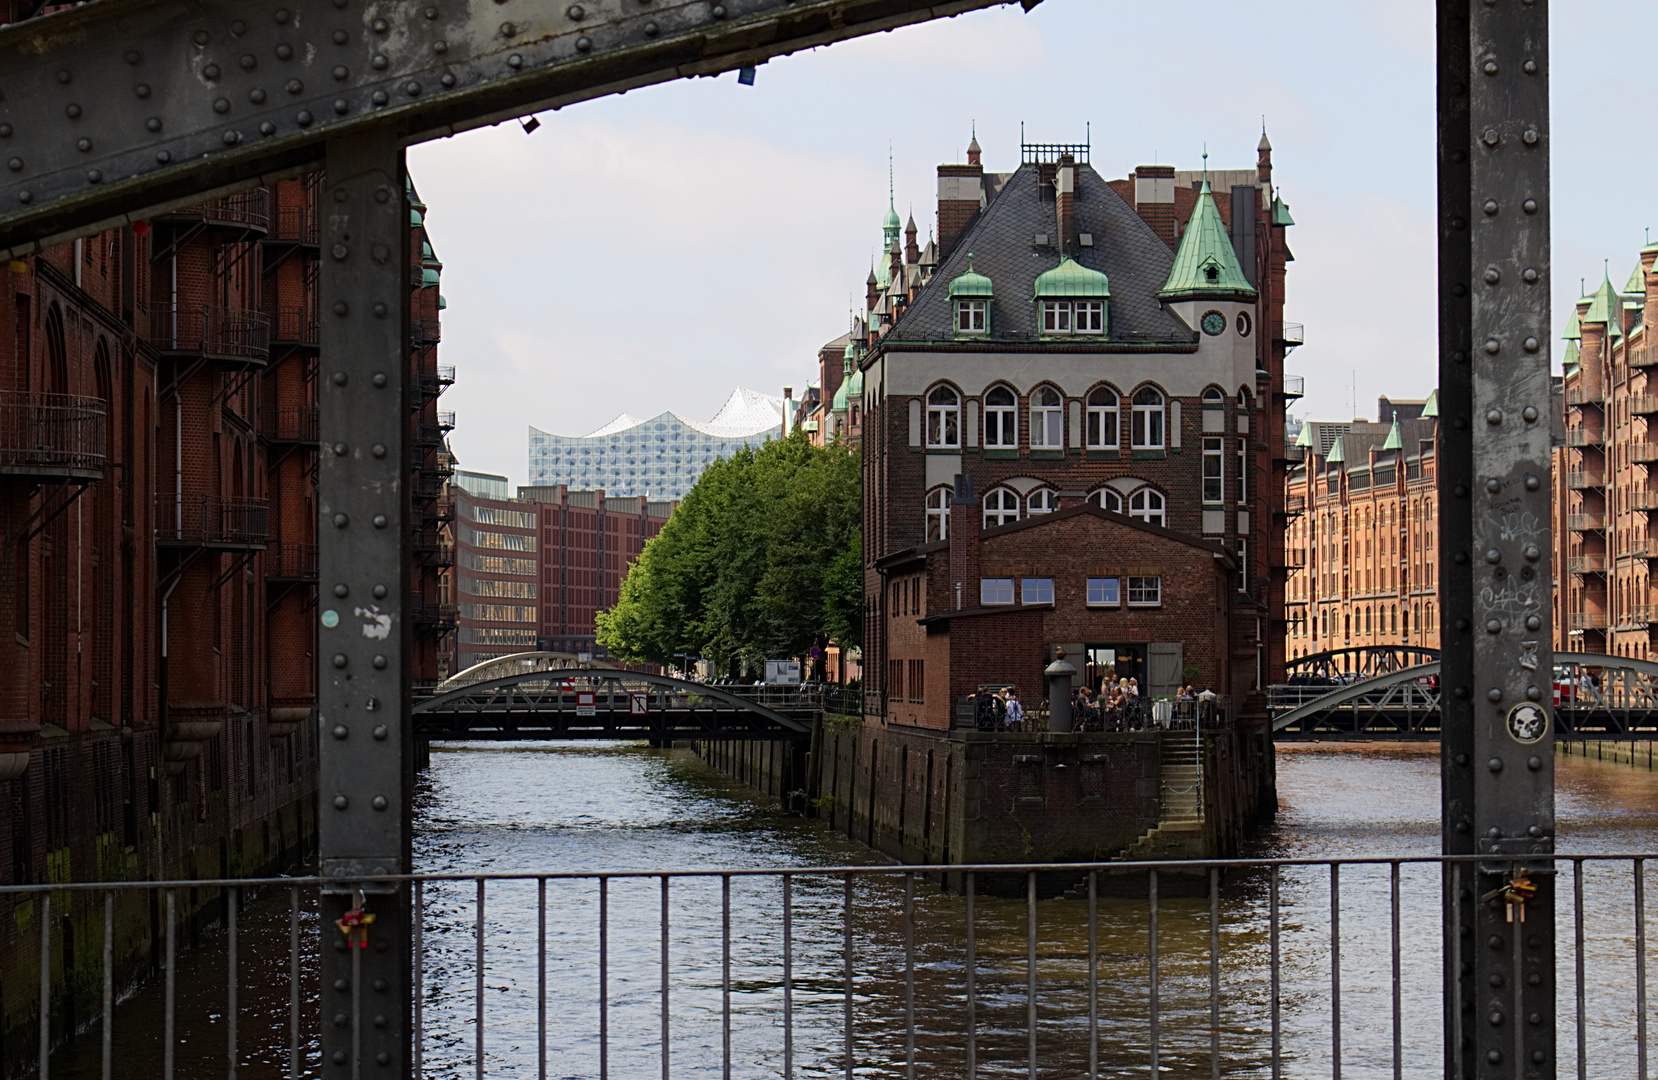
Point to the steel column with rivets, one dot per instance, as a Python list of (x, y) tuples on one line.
[(363, 643), (1495, 578)]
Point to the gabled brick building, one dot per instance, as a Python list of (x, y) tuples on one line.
[(1074, 339)]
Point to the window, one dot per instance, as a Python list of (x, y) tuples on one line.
[(1056, 316), (943, 417), (1102, 419), (1145, 591), (1079, 317), (995, 590), (1001, 423), (1243, 565), (1047, 419), (1107, 499), (1148, 419), (1243, 472), (917, 681), (1036, 590), (938, 514), (1214, 464), (895, 680), (1041, 501), (1213, 398), (1089, 316), (1001, 507), (1147, 505), (971, 316), (1104, 591)]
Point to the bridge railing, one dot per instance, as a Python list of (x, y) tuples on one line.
[(1301, 967)]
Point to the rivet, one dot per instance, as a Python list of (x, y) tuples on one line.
[(341, 106), (1533, 552), (341, 251), (1529, 67), (1490, 67), (341, 449), (1494, 416), (651, 29), (379, 521), (304, 117), (379, 802), (1530, 345), (1534, 693), (380, 26), (430, 13), (340, 308), (64, 76), (341, 37), (380, 252), (1530, 275), (5, 131), (221, 105), (340, 1055), (341, 72), (440, 47), (1492, 275), (342, 590), (1490, 206), (379, 592), (1460, 423), (379, 310), (380, 662), (231, 138), (282, 16), (719, 11), (379, 380), (1496, 763), (1534, 763), (382, 194), (83, 145), (1529, 206), (515, 61), (1494, 694), (238, 28), (1494, 833), (94, 175), (1462, 624), (447, 79), (284, 51), (413, 89), (1458, 224), (1491, 137), (1496, 1019), (1533, 622), (380, 732), (1493, 556), (584, 44), (1461, 694), (340, 803), (142, 90), (211, 71), (1530, 137), (340, 731), (1493, 485), (1459, 290), (508, 29), (1462, 759), (1532, 483), (73, 111), (163, 156), (379, 450), (341, 378), (249, 62), (1493, 627), (341, 521), (1460, 558), (1492, 346), (340, 660), (379, 97), (15, 164), (1530, 413), (133, 56), (257, 96)]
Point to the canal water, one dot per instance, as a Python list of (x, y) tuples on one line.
[(566, 807)]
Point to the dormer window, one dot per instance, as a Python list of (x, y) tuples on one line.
[(970, 316), (1073, 300), (970, 296)]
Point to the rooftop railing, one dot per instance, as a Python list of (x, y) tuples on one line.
[(52, 436)]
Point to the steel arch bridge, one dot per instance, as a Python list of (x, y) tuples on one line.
[(1621, 703), (1363, 660), (604, 704)]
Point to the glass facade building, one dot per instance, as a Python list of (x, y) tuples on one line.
[(659, 458)]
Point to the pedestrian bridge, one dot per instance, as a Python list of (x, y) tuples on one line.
[(536, 696), (1403, 703)]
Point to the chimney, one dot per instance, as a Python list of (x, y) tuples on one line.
[(1066, 190), (960, 198), (1154, 199), (965, 520)]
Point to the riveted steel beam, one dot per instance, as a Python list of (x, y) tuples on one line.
[(1496, 582), (112, 109)]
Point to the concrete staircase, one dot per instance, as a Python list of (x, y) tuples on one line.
[(1179, 829)]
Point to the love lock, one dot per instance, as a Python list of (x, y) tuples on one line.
[(354, 924), (1514, 893)]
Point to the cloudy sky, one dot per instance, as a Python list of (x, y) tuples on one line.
[(652, 251)]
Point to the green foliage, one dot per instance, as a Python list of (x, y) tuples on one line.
[(763, 556)]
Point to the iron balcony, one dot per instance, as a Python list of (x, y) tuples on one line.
[(1584, 395), (1582, 436), (1586, 564), (292, 424), (1586, 522), (287, 564), (294, 225), (1588, 620), (1643, 404), (295, 326), (246, 211), (211, 521), (52, 437), (1579, 479), (233, 337)]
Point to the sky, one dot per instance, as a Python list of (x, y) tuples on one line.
[(651, 251)]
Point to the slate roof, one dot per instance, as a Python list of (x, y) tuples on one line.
[(1125, 249)]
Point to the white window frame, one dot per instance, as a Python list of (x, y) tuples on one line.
[(1042, 501), (1243, 472), (1105, 497), (1001, 420), (1105, 592), (1099, 414), (1088, 317), (1141, 508), (943, 418), (1043, 587), (1047, 419), (991, 591), (938, 514), (1001, 507), (1243, 564), (1056, 316), (1214, 469), (1149, 426), (1145, 591), (972, 316)]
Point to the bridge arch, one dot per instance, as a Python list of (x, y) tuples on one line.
[(1367, 660)]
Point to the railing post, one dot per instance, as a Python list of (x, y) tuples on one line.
[(1494, 469), (363, 639)]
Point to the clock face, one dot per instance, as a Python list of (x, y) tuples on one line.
[(1214, 323)]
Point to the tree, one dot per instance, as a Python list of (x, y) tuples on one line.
[(763, 557)]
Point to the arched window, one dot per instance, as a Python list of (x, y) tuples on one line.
[(854, 416), (1102, 418), (1047, 419), (1244, 399), (1001, 507), (938, 514), (1427, 617), (1147, 505), (1001, 418), (1408, 611), (1107, 499), (1148, 419), (943, 417), (1042, 501), (1213, 398), (1393, 618)]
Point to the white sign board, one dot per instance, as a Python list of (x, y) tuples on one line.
[(640, 700), (783, 672), (584, 703)]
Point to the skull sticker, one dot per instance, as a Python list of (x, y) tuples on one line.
[(1528, 722)]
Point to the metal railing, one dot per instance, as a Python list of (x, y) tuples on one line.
[(249, 209), (425, 330), (1643, 499), (1227, 967), (295, 225), (1580, 436), (289, 423), (1587, 620), (1578, 479), (1584, 395), (1586, 564), (291, 562), (211, 519), (1643, 452), (295, 326), (53, 435), (1585, 522), (1294, 334), (218, 333), (1643, 404), (1295, 386)]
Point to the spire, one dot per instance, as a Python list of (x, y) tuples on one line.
[(973, 146), (1336, 456), (1430, 409), (1265, 145), (1206, 264), (1395, 439), (1606, 308), (1305, 439)]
